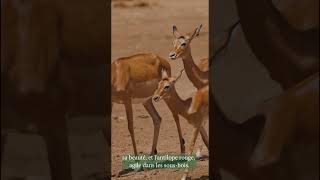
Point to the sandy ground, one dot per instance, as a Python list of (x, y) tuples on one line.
[(149, 29)]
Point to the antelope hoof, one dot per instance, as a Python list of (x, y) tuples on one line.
[(153, 152), (199, 155), (184, 177), (138, 169)]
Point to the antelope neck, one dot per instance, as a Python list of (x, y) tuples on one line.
[(191, 68), (174, 101)]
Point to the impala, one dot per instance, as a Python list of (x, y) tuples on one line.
[(166, 91), (198, 75), (134, 79)]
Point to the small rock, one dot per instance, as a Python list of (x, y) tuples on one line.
[(199, 155), (143, 116), (154, 173), (118, 117)]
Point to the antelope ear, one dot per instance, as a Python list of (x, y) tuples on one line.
[(196, 32), (164, 74), (175, 32)]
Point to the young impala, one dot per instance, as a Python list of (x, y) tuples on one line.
[(185, 108)]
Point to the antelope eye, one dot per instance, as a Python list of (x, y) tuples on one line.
[(183, 44), (166, 87)]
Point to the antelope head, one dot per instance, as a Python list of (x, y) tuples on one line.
[(165, 86), (181, 43)]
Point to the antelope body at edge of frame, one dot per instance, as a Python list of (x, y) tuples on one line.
[(134, 80), (166, 91)]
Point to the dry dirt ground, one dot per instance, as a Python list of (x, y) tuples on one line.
[(148, 28)]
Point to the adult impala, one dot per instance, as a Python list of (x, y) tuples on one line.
[(198, 75), (134, 79)]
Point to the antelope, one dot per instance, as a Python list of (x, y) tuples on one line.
[(199, 100), (134, 79), (291, 117), (198, 75), (185, 108)]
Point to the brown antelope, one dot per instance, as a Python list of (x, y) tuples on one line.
[(291, 117), (199, 100), (199, 104), (198, 75), (166, 91), (134, 79)]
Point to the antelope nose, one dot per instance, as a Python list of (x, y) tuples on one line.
[(156, 98), (172, 55)]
